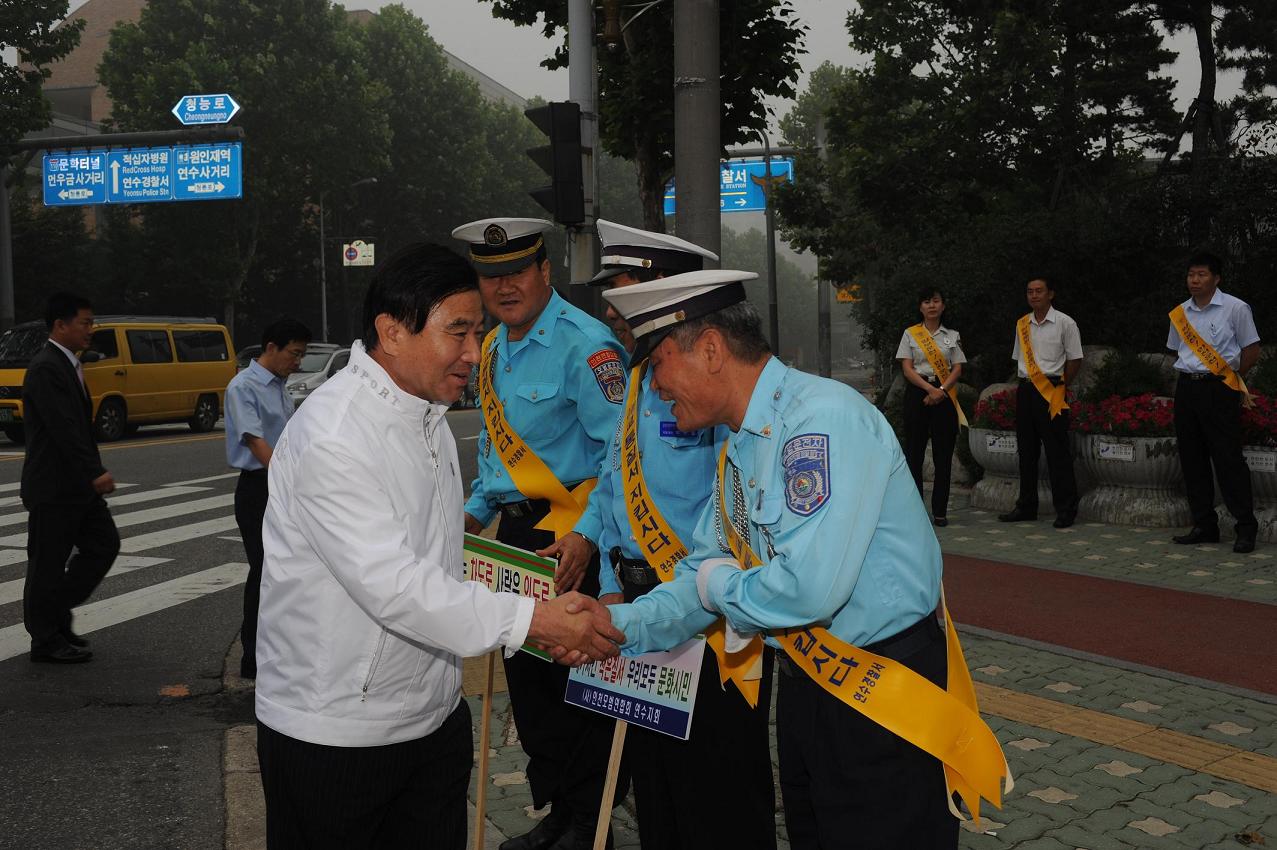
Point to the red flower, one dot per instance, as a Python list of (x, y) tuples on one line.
[(1137, 416)]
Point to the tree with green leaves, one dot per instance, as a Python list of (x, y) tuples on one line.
[(760, 42), (29, 26), (314, 122)]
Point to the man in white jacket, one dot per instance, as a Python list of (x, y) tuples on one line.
[(363, 738)]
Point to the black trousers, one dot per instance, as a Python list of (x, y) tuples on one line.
[(847, 782), (394, 797), (54, 584), (250, 508), (716, 788), (939, 424), (567, 747), (1033, 427), (1209, 432)]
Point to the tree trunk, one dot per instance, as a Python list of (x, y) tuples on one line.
[(651, 182), (1199, 215)]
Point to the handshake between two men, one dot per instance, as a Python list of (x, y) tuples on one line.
[(574, 628)]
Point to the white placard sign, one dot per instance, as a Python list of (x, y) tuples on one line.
[(358, 253), (1261, 461), (1001, 444), (1113, 450)]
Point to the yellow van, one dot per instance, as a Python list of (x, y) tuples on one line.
[(140, 370)]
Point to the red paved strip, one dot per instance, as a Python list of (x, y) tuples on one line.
[(1222, 640)]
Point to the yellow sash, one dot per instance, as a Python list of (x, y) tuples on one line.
[(1053, 393), (653, 535), (663, 550), (1208, 355), (939, 364), (944, 723), (528, 472)]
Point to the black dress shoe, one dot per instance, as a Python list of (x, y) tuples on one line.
[(1197, 535), (939, 521), (1064, 520), (59, 652), (543, 835), (580, 836), (1017, 515), (1245, 541), (73, 639)]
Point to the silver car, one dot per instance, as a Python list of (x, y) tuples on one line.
[(322, 361)]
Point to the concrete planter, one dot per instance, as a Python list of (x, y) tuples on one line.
[(1262, 461), (997, 454), (1137, 480)]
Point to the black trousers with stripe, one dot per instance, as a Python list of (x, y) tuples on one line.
[(251, 496), (937, 423), (1033, 426), (567, 747), (394, 797), (57, 580)]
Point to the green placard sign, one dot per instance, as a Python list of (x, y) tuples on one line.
[(506, 568)]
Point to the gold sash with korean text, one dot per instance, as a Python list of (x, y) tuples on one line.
[(1208, 355), (1053, 393), (943, 723), (527, 471), (655, 538), (939, 365)]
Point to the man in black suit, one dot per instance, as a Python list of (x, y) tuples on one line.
[(63, 484)]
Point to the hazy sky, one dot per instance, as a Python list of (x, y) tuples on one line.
[(511, 55)]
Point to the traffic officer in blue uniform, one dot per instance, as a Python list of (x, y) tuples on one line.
[(815, 481), (676, 782), (559, 376)]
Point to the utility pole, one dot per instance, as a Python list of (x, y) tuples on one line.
[(697, 111), (824, 342), (7, 313), (773, 309), (582, 90)]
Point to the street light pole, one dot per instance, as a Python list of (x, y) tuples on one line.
[(770, 214), (323, 262)]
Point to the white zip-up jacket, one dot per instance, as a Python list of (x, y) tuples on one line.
[(365, 610)]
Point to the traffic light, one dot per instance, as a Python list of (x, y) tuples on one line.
[(561, 159)]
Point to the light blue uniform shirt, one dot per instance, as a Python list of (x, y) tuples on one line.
[(1226, 323), (561, 386), (256, 405), (833, 512), (678, 469)]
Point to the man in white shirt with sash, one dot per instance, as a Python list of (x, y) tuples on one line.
[(1048, 353), (1215, 339)]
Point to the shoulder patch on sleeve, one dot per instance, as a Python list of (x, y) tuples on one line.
[(805, 459), (610, 373)]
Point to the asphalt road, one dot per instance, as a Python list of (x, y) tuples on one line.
[(125, 751)]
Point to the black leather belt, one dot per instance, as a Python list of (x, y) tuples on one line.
[(633, 572), (256, 473), (898, 647), (1056, 380), (933, 380), (529, 507), (1199, 376)]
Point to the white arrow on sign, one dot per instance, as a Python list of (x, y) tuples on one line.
[(115, 177), (205, 188), (75, 194), (740, 202)]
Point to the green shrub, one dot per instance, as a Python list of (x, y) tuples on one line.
[(1263, 378), (1124, 374)]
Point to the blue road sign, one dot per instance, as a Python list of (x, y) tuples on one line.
[(71, 179), (145, 175), (740, 184), (205, 109), (139, 176), (207, 172)]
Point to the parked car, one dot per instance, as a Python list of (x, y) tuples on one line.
[(246, 355), (140, 370), (322, 361)]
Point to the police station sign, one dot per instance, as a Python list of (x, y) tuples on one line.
[(656, 690)]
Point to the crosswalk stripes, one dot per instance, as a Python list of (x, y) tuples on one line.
[(15, 641), (206, 480), (117, 501), (149, 515), (11, 591), (11, 501)]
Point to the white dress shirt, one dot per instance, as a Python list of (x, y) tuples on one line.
[(1226, 323), (1055, 339), (948, 341)]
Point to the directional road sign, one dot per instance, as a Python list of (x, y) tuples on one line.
[(205, 109), (71, 179), (145, 175), (740, 184)]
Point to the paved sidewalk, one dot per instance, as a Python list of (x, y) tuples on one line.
[(1111, 747)]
